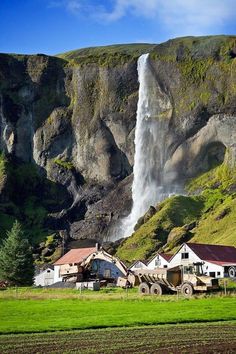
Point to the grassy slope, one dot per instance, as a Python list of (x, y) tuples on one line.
[(218, 224), (107, 55), (213, 209), (21, 316), (175, 211), (191, 338)]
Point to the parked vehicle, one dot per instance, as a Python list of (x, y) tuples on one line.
[(184, 279)]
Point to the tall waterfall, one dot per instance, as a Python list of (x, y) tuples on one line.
[(152, 124)]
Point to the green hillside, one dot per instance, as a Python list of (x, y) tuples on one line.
[(206, 215), (107, 55)]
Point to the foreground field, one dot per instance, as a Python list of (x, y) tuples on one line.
[(22, 316), (200, 338)]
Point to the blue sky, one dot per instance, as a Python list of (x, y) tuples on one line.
[(55, 26)]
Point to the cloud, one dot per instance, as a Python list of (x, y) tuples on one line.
[(196, 16), (178, 17), (73, 6), (122, 8)]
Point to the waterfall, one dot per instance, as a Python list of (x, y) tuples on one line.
[(152, 126)]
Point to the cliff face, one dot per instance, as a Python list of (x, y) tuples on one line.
[(67, 130)]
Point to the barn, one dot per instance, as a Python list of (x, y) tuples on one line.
[(218, 261)]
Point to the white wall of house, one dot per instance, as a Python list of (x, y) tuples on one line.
[(57, 276), (44, 278), (214, 270), (186, 256), (138, 265), (158, 262)]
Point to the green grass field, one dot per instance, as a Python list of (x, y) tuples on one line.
[(114, 321), (22, 316)]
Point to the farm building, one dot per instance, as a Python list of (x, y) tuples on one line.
[(138, 265), (160, 260), (102, 265), (68, 264), (218, 261), (83, 263), (44, 276)]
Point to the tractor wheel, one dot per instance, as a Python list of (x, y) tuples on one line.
[(144, 289), (187, 290), (232, 272), (156, 289)]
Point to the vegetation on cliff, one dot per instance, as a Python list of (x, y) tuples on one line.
[(112, 55), (76, 113), (206, 215)]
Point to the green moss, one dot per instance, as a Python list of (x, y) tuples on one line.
[(194, 71), (110, 56), (173, 212), (221, 177), (64, 164), (218, 226), (3, 168), (205, 97)]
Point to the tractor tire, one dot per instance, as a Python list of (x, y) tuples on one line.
[(187, 290), (144, 289), (156, 289), (232, 272)]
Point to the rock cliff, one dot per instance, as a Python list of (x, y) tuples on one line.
[(67, 131)]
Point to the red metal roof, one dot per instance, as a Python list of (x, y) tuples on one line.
[(166, 256), (76, 255), (214, 253)]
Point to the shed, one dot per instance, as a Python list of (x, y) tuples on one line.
[(44, 276)]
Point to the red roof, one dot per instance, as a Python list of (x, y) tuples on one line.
[(76, 255), (166, 256), (214, 253)]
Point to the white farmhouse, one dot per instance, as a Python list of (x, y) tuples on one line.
[(218, 261), (45, 276), (138, 265), (160, 260)]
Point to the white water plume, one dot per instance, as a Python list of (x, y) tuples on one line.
[(152, 127)]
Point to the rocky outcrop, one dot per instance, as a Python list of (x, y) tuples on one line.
[(73, 118)]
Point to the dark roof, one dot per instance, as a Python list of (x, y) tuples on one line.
[(76, 255), (166, 256), (214, 253)]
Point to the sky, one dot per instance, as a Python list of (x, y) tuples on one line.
[(56, 26)]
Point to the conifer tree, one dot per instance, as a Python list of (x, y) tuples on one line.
[(16, 261)]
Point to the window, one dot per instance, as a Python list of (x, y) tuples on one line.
[(165, 266), (48, 271), (185, 255), (157, 262), (107, 273), (218, 273)]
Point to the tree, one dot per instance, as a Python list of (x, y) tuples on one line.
[(16, 260)]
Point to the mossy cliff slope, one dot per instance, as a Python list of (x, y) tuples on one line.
[(67, 132), (207, 214)]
